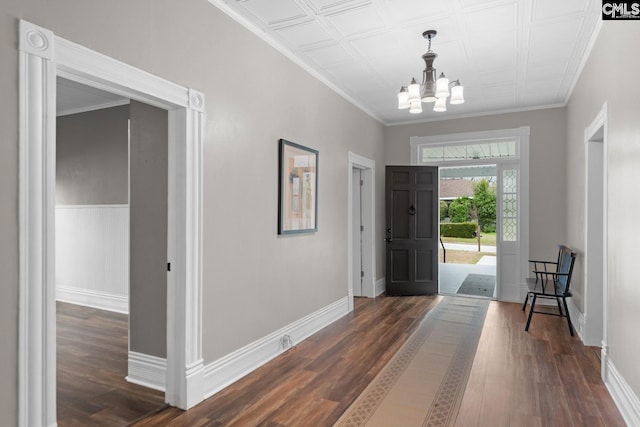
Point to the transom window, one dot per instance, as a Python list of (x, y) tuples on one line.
[(475, 151)]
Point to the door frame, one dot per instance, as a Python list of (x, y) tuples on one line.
[(356, 229), (368, 168), (512, 294), (596, 288), (42, 57)]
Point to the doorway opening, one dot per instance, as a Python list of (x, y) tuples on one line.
[(43, 58), (507, 151), (111, 249), (595, 262), (467, 254), (361, 262)]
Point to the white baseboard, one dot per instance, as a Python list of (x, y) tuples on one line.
[(230, 368), (625, 399), (523, 293), (380, 286), (510, 292), (577, 319), (146, 370), (95, 299)]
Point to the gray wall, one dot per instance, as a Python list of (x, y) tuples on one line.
[(547, 157), (254, 281), (148, 230), (92, 157), (610, 62)]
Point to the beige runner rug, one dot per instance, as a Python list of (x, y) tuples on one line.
[(423, 384)]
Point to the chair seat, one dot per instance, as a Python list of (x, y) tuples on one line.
[(546, 288)]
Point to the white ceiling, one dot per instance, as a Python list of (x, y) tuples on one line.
[(72, 98), (509, 54)]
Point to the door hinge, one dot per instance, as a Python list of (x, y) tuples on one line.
[(361, 182), (362, 228), (168, 266), (362, 274)]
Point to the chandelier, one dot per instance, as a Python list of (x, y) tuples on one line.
[(433, 90)]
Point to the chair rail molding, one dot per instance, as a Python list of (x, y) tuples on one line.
[(42, 57)]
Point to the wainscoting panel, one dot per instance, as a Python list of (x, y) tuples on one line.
[(92, 255)]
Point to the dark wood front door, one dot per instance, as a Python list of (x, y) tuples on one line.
[(412, 230)]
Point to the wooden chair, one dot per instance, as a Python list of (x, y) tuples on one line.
[(542, 267), (552, 285)]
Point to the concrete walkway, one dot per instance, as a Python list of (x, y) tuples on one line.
[(451, 276), (470, 247)]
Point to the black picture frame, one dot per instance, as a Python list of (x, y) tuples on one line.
[(297, 188)]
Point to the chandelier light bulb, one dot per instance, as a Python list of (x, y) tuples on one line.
[(416, 107), (403, 99), (414, 91), (457, 96), (442, 86), (440, 105)]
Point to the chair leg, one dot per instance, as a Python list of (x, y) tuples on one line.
[(533, 305), (566, 309), (559, 306), (526, 299)]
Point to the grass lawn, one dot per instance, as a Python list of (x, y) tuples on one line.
[(462, 257), (485, 239)]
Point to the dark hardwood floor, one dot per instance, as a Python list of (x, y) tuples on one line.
[(543, 377), (91, 367), (540, 378), (313, 384)]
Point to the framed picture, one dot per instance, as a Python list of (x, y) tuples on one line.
[(297, 189)]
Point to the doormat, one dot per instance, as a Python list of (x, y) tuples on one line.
[(478, 284), (423, 384)]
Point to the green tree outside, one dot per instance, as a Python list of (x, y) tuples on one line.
[(460, 209), (484, 202), (444, 210)]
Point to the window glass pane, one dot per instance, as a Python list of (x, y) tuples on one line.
[(510, 205), (432, 153), (509, 230), (510, 183), (485, 150)]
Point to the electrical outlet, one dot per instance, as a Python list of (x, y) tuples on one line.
[(286, 341)]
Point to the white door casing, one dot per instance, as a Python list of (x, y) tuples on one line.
[(368, 255), (595, 248), (356, 229), (40, 64)]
